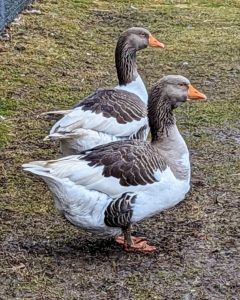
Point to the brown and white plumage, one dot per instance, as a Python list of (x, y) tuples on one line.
[(106, 189), (110, 114), (105, 117)]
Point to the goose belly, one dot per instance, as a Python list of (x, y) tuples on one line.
[(82, 193), (161, 197), (83, 208), (87, 139), (151, 199)]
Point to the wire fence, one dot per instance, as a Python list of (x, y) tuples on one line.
[(9, 9)]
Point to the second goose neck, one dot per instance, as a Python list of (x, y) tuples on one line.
[(125, 59)]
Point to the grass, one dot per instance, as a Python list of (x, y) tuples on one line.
[(65, 53)]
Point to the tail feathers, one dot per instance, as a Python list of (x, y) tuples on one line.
[(37, 168), (56, 112), (62, 167), (62, 135), (61, 188)]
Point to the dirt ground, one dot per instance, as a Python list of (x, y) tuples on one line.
[(61, 51)]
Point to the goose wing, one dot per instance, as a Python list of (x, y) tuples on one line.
[(133, 162), (113, 169), (113, 111)]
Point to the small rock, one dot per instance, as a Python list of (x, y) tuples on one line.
[(20, 48), (33, 11)]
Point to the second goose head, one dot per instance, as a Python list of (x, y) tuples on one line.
[(129, 42), (138, 38)]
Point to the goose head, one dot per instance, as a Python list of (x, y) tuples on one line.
[(138, 38), (176, 90), (167, 94)]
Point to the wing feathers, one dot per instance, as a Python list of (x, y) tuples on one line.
[(133, 162), (106, 111)]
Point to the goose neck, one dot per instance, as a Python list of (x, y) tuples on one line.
[(125, 59), (160, 116)]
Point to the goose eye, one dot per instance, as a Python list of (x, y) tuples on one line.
[(142, 34), (181, 84)]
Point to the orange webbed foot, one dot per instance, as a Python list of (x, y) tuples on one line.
[(120, 240), (139, 244), (140, 247)]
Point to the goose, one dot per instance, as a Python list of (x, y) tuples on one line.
[(110, 114), (106, 189)]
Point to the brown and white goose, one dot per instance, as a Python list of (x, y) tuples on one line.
[(110, 114), (106, 189)]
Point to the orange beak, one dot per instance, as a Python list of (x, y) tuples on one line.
[(194, 94), (154, 43)]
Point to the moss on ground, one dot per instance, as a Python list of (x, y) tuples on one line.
[(56, 58)]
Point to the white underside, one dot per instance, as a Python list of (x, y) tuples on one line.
[(81, 130), (82, 194), (86, 139)]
